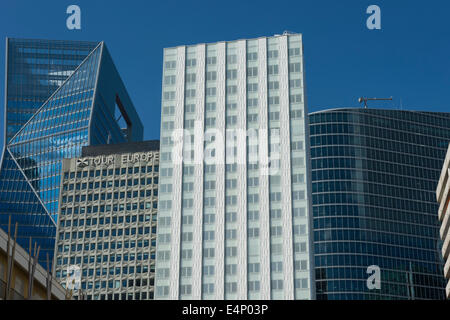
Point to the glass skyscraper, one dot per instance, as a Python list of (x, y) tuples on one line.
[(60, 96), (234, 204), (374, 173), (34, 70), (107, 224)]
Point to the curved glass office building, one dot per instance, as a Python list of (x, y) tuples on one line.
[(374, 173)]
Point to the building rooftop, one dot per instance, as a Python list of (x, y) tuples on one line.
[(119, 148), (285, 33)]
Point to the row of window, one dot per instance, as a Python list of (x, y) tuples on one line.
[(106, 220), (231, 234), (375, 201), (373, 188), (417, 123), (112, 259), (130, 194), (365, 176), (231, 287), (230, 90), (373, 248), (233, 120), (110, 183), (376, 212), (118, 296), (186, 254), (394, 168), (109, 208), (415, 147), (231, 200), (110, 172), (232, 58), (111, 244), (374, 130), (230, 217), (115, 284), (368, 236), (106, 233), (375, 154)]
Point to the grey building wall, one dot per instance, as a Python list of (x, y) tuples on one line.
[(107, 228)]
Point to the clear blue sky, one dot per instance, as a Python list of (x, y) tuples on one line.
[(409, 58)]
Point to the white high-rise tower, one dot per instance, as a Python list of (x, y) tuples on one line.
[(234, 194)]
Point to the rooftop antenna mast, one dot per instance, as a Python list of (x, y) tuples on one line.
[(365, 99)]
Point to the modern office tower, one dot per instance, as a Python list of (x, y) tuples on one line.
[(60, 96), (443, 198), (234, 215), (374, 173), (107, 221)]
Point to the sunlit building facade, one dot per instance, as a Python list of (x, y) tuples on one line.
[(443, 198), (107, 222), (230, 227)]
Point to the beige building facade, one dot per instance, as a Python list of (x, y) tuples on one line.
[(443, 197)]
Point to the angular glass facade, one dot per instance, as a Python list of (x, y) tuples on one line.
[(374, 173), (56, 131), (35, 69), (81, 111)]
